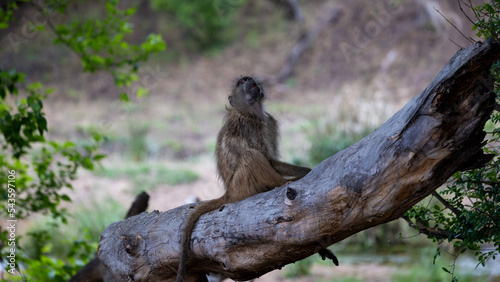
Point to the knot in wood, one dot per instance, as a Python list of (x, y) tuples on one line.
[(291, 194), (130, 243), (281, 219)]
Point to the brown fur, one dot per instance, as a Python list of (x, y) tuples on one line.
[(247, 156)]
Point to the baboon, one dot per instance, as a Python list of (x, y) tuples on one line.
[(246, 155)]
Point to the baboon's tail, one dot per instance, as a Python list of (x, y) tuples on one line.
[(200, 210)]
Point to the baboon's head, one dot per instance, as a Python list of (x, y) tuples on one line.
[(247, 93)]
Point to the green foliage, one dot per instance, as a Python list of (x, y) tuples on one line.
[(86, 223), (488, 19), (469, 211), (6, 13), (47, 268), (92, 218), (28, 123), (53, 251), (421, 270), (101, 45), (327, 140), (472, 208), (138, 147), (35, 170), (206, 22), (38, 169), (40, 175)]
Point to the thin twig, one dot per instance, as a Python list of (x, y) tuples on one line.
[(83, 55), (455, 43), (455, 257), (51, 25), (471, 6), (468, 38), (463, 12), (432, 232), (446, 203)]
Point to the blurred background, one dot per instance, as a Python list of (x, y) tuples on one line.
[(361, 62)]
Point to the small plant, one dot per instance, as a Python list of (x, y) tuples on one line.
[(53, 251), (327, 140), (87, 222), (48, 268), (422, 268), (138, 146)]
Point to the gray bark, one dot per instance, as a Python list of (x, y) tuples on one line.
[(372, 182), (94, 270)]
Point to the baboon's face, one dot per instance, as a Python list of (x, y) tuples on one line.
[(246, 92)]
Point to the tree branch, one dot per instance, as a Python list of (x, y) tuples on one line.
[(446, 203), (431, 232), (94, 270), (372, 182), (468, 38), (293, 9), (305, 40)]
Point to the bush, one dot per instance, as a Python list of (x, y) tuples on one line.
[(327, 140), (206, 22)]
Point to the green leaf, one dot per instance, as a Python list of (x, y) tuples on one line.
[(489, 8), (130, 11), (99, 157), (66, 198), (124, 97), (142, 92), (87, 163), (32, 102)]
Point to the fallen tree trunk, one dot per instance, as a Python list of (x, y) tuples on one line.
[(372, 182), (94, 270)]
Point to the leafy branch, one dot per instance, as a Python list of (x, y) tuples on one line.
[(43, 168)]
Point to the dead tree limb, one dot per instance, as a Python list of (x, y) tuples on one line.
[(292, 8), (372, 182), (94, 271), (305, 40)]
